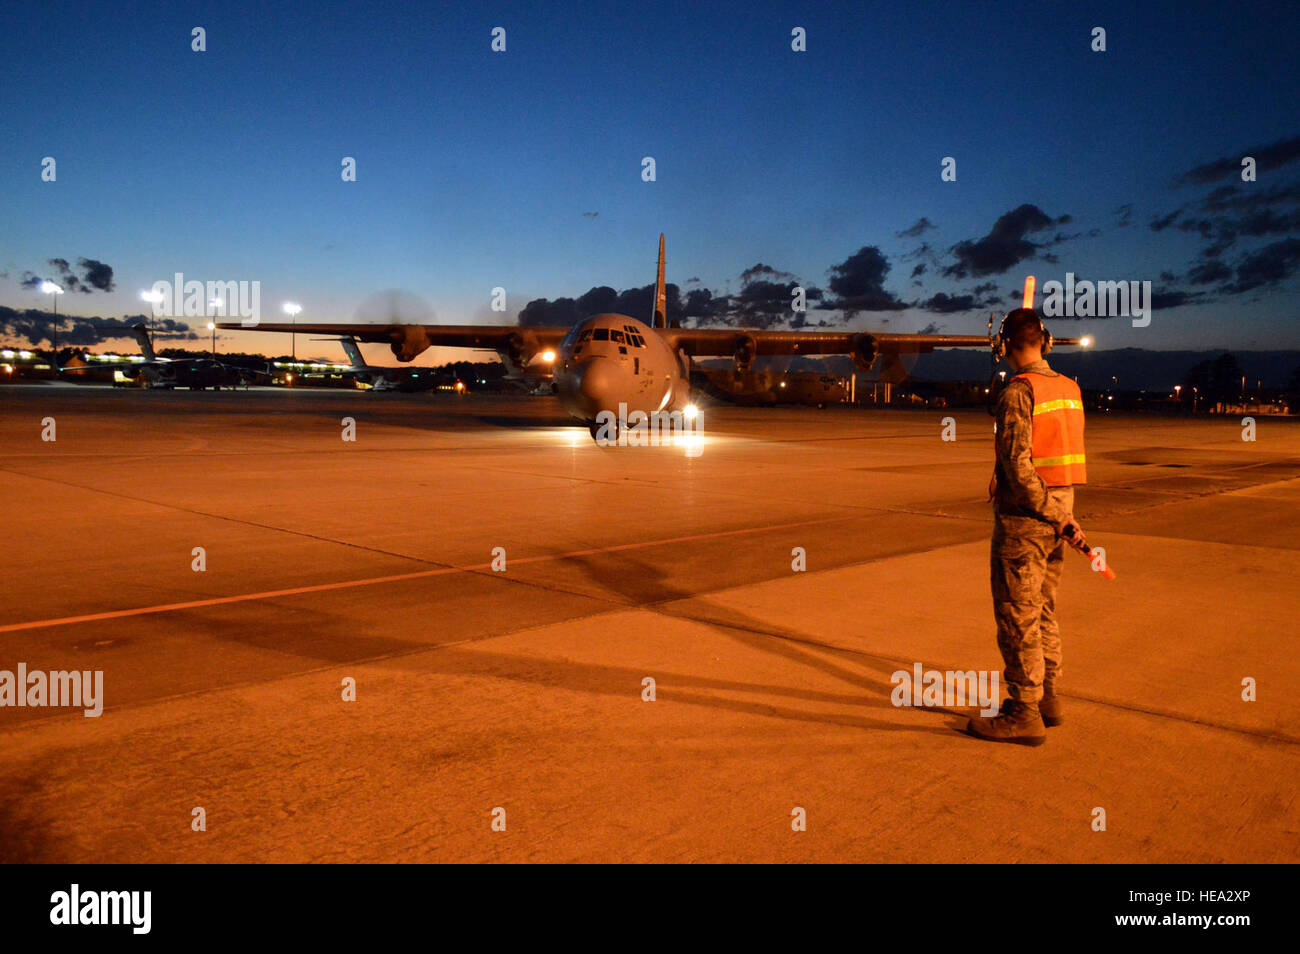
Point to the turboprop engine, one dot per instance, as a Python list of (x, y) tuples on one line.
[(865, 351), (746, 351), (408, 342)]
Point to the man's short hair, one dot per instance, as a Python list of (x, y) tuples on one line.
[(1023, 329)]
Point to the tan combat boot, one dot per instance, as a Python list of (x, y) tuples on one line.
[(1018, 722), (1051, 709)]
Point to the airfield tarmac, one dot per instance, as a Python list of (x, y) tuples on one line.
[(522, 689)]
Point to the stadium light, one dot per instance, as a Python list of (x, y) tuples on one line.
[(155, 298), (54, 291), (292, 308)]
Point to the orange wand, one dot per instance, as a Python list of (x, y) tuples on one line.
[(1074, 538)]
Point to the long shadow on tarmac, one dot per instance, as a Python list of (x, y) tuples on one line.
[(620, 681), (646, 587)]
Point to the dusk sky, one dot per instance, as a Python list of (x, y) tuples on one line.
[(523, 169)]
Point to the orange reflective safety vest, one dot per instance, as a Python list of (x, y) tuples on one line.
[(1058, 429)]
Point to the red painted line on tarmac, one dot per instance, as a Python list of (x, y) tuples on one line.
[(394, 578)]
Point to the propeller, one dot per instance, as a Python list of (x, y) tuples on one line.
[(395, 306)]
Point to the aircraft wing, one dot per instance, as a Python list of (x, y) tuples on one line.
[(407, 341), (519, 341), (707, 342), (83, 367)]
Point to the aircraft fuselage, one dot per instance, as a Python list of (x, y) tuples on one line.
[(608, 360)]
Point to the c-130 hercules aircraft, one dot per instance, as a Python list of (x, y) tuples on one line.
[(611, 363)]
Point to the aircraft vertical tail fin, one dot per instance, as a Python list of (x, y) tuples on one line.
[(350, 348), (660, 317), (142, 336)]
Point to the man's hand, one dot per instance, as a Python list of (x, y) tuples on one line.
[(1070, 531)]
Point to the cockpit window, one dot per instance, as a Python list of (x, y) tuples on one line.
[(600, 334), (617, 336), (586, 334)]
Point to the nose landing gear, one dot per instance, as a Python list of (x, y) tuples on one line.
[(603, 433)]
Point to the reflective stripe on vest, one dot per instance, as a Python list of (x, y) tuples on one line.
[(1058, 429)]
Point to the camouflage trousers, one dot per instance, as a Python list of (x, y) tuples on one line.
[(1024, 569)]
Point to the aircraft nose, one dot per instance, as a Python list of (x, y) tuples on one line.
[(596, 380)]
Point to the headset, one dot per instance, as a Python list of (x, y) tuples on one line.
[(1001, 343)]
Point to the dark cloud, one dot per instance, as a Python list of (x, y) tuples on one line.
[(946, 304), (1249, 197), (37, 327), (1160, 224), (1202, 226), (918, 270), (95, 276), (1270, 265), (1125, 214), (1273, 156), (1231, 213), (921, 225), (64, 275), (1215, 249), (1207, 273), (765, 298), (1175, 298), (983, 295), (932, 328), (544, 312), (761, 271), (637, 302), (703, 307), (1005, 246), (764, 301), (858, 283)]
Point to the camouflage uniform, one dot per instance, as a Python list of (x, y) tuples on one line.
[(1027, 555)]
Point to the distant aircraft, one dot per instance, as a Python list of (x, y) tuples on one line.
[(610, 363), (387, 379), (155, 372)]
